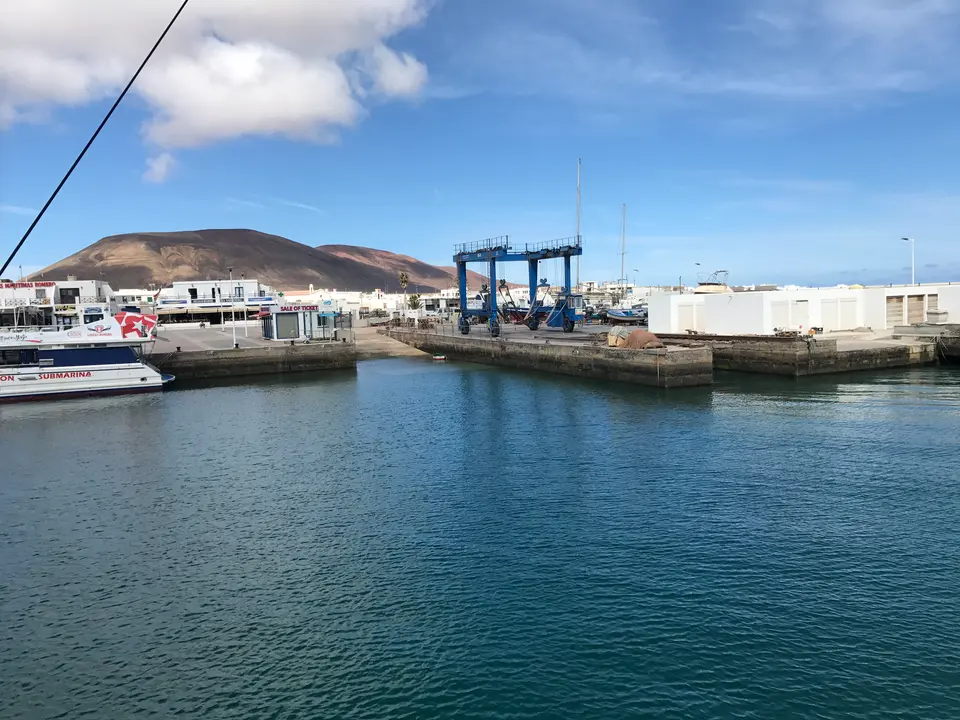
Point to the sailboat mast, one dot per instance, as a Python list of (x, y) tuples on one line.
[(623, 247), (578, 224)]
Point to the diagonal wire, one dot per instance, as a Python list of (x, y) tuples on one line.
[(92, 138)]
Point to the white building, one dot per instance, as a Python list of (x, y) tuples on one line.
[(54, 302), (300, 322), (210, 297), (832, 309)]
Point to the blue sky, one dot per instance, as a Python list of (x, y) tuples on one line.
[(783, 140)]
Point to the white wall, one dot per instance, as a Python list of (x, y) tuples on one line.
[(662, 316), (875, 301), (735, 314), (760, 313), (949, 300)]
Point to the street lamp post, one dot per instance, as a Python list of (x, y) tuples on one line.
[(243, 277), (233, 314), (913, 263)]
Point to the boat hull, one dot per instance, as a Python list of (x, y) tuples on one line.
[(75, 394), (41, 383)]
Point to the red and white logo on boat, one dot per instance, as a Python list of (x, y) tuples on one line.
[(135, 324), (98, 330)]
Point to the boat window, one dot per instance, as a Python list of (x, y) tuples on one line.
[(28, 357), (9, 357)]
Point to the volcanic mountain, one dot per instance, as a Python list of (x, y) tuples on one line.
[(418, 273), (139, 260)]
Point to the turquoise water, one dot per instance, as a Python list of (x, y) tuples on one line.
[(417, 540)]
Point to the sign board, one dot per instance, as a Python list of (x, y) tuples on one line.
[(298, 308), (27, 285)]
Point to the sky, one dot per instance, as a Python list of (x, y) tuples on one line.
[(781, 140)]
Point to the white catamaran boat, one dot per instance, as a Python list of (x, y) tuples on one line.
[(101, 358)]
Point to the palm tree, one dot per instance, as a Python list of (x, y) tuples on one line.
[(403, 285), (414, 302)]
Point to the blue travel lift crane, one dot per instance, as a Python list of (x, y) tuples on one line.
[(565, 313)]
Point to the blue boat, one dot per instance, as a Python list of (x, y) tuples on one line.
[(633, 316)]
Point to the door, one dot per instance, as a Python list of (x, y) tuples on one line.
[(933, 303), (780, 315), (848, 314), (830, 315), (800, 315), (687, 316), (915, 313), (894, 311)]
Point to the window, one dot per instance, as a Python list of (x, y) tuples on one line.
[(68, 296), (238, 291), (40, 294), (288, 326), (193, 293)]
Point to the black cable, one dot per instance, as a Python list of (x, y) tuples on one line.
[(90, 141)]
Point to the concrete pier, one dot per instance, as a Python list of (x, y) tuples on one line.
[(945, 335), (204, 364), (193, 353), (556, 352), (816, 355)]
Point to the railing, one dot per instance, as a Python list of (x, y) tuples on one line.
[(497, 243), (212, 299), (26, 302), (568, 242)]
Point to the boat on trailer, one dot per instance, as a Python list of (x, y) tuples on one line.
[(100, 358)]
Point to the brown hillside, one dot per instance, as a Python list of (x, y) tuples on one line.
[(419, 272), (138, 260)]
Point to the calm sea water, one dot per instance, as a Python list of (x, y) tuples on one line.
[(423, 541)]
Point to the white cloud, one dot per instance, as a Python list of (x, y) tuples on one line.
[(300, 205), (17, 210), (785, 51), (396, 74), (240, 203), (228, 68), (159, 168)]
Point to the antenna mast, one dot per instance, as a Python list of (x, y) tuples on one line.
[(623, 248), (578, 224)]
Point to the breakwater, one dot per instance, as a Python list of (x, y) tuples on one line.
[(666, 367)]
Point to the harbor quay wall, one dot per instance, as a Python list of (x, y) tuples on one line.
[(663, 368), (799, 357), (204, 364)]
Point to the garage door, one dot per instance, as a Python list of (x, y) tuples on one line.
[(894, 311), (686, 317), (800, 315), (848, 314), (288, 326), (830, 315), (780, 315), (915, 312)]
